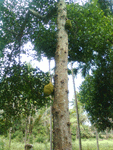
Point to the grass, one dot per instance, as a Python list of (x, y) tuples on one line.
[(92, 145), (89, 144)]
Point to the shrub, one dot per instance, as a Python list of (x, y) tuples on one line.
[(40, 138), (1, 145)]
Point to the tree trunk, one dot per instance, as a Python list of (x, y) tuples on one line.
[(26, 130), (76, 105), (30, 127), (10, 137), (76, 133), (97, 139), (50, 127), (50, 111), (61, 123)]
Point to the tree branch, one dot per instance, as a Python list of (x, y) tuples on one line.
[(10, 31), (52, 11), (19, 36)]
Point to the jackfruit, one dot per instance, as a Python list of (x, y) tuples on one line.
[(48, 89), (68, 24)]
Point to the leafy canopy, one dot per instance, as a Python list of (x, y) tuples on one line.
[(91, 31), (21, 89), (96, 94)]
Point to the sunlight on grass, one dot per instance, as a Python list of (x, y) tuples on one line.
[(89, 144), (92, 145)]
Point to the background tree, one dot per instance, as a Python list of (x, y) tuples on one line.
[(82, 119), (22, 90), (76, 106), (96, 95)]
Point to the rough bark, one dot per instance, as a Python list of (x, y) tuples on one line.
[(61, 124)]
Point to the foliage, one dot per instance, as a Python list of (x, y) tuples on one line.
[(90, 32), (1, 145), (16, 27), (18, 136), (82, 120), (105, 6), (21, 89), (45, 42), (90, 41), (96, 95), (4, 126), (90, 37), (41, 131)]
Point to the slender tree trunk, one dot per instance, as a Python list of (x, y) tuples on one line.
[(10, 130), (50, 112), (97, 139), (26, 130), (50, 127), (111, 4), (61, 123), (107, 135), (30, 127), (76, 105), (76, 133)]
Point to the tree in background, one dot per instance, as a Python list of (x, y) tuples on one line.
[(96, 96), (82, 120), (22, 87), (21, 94)]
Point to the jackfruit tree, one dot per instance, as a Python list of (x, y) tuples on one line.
[(41, 16), (43, 23)]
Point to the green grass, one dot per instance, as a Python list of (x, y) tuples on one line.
[(89, 144), (92, 145)]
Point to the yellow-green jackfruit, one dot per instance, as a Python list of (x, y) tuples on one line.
[(68, 24), (48, 89)]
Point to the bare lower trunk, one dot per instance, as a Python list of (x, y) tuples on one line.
[(26, 130), (50, 110), (50, 127), (76, 133), (30, 127), (10, 137), (61, 124), (97, 140)]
